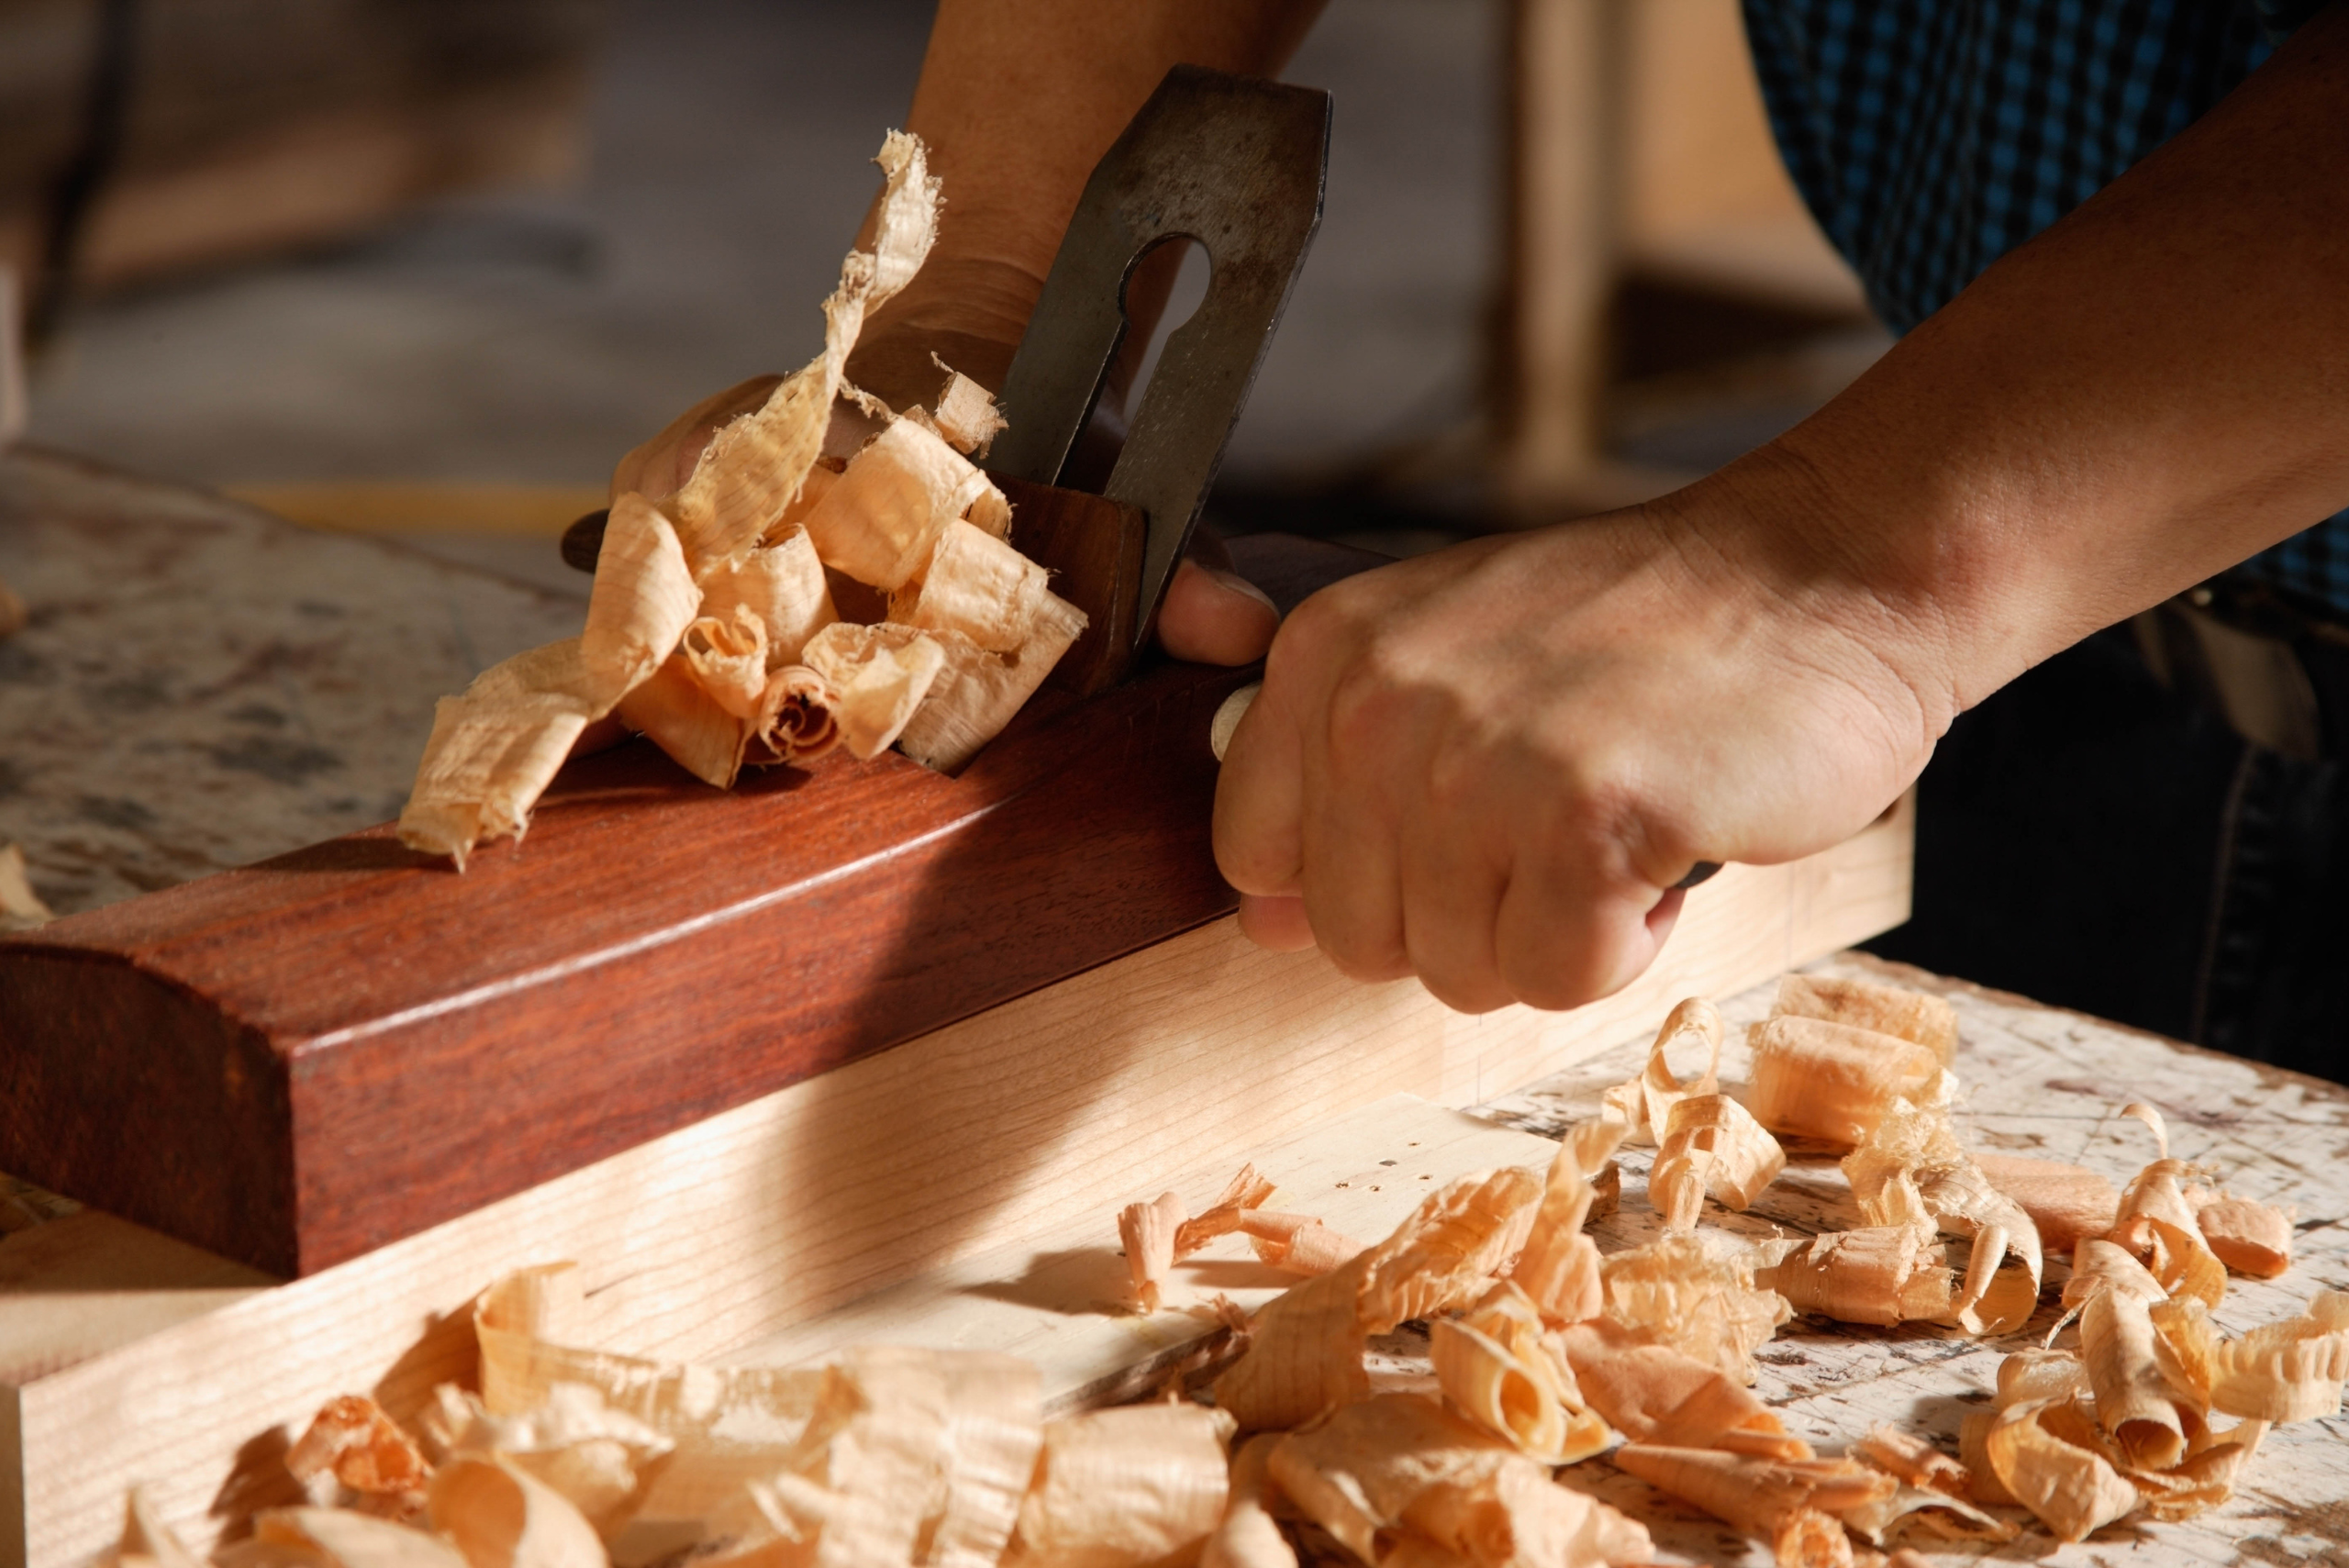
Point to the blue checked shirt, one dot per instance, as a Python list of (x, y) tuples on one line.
[(1931, 136)]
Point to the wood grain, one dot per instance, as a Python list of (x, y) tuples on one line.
[(1045, 1112)]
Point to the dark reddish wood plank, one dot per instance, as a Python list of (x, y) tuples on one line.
[(300, 1061)]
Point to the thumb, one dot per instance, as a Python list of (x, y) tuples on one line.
[(1212, 617)]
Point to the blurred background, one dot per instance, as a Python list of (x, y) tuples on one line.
[(431, 265)]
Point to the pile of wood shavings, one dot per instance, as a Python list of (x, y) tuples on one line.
[(712, 629), (1547, 1357)]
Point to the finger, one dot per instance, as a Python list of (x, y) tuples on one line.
[(1257, 797), (1276, 922), (1215, 617), (1566, 939), (1353, 878), (1452, 901)]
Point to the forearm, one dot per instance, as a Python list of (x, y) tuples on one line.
[(1017, 100), (2149, 392)]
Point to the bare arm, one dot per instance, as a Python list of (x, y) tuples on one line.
[(1017, 100), (1487, 766)]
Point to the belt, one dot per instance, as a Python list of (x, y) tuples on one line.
[(2275, 670)]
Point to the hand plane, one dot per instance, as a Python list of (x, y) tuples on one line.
[(299, 1060)]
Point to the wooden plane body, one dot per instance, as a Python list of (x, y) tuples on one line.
[(300, 1061)]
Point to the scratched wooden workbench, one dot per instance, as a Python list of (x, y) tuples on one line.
[(149, 735)]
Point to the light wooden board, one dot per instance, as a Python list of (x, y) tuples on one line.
[(2047, 1083), (1047, 1111)]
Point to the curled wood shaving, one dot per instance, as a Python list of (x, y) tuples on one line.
[(1147, 1232), (1446, 1253), (1702, 1301), (2065, 1202), (1645, 1104), (730, 1424), (1654, 1394), (1558, 1269), (1297, 1243), (1248, 1536), (365, 1450), (1123, 1487), (2143, 1409), (1304, 1355), (965, 414), (1942, 1514), (1881, 1275), (1832, 1083), (2046, 1457), (1911, 1459), (892, 503), (334, 1538), (499, 1517), (1500, 1367), (879, 675), (602, 1460), (980, 691), (1912, 1171), (2290, 1370), (783, 587), (1711, 1146), (709, 622), (2249, 1237), (1908, 1015), (1401, 1463), (1764, 1496), (1244, 1193), (21, 908)]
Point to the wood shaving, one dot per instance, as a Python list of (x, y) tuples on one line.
[(1645, 1104), (1702, 1301), (1912, 1171), (712, 628), (1559, 1267), (1122, 1488), (601, 1459), (1403, 1462), (1244, 1193), (1711, 1147), (2065, 1202), (500, 1516), (21, 908), (366, 1453), (1832, 1082), (2290, 1370), (1148, 1232), (1544, 1352), (1248, 1536), (1781, 1500), (1654, 1394), (1907, 1015), (2249, 1237), (1502, 1368)]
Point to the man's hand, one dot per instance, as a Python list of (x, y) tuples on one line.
[(1487, 767)]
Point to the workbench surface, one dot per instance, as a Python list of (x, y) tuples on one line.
[(2040, 1082), (203, 685)]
